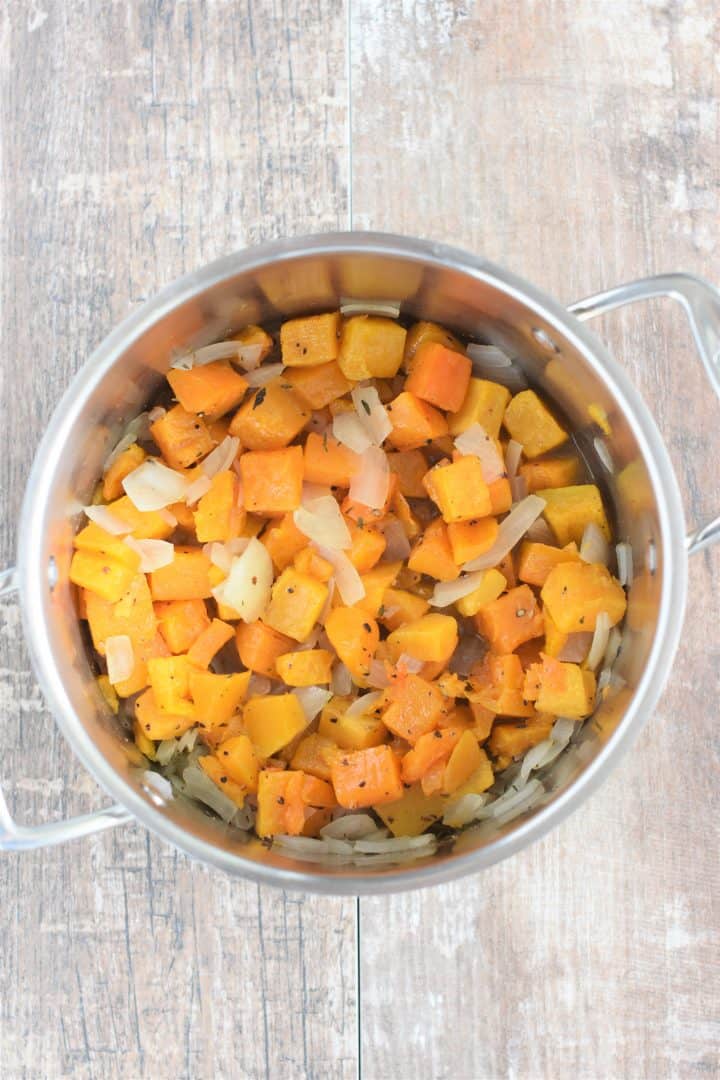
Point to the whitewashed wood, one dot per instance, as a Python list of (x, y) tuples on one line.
[(578, 144), (137, 142)]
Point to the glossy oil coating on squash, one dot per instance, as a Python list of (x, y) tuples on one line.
[(304, 578)]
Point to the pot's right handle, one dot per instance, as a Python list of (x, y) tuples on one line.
[(701, 303), (14, 837)]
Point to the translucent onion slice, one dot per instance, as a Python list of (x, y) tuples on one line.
[(199, 786), (476, 441), (489, 356), (409, 663), (197, 488), (388, 308), (168, 518), (396, 843), (259, 685), (154, 554), (341, 682), (576, 648), (156, 413), (600, 640), (397, 545), (152, 486), (249, 356), (594, 548), (347, 579), (221, 350), (320, 520), (120, 658), (106, 520), (512, 457), (221, 458), (364, 703), (540, 532), (624, 563), (264, 374), (518, 488), (510, 532), (372, 413), (462, 811), (371, 483), (246, 589), (310, 492), (349, 827), (222, 555), (349, 430), (137, 428), (377, 675), (312, 699), (447, 592)]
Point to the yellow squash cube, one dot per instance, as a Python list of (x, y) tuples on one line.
[(484, 404), (217, 697), (238, 759), (217, 772), (170, 683), (575, 593), (465, 758), (569, 509), (531, 423), (413, 813), (371, 347), (309, 341), (273, 722), (400, 606), (377, 581), (492, 585), (295, 605), (270, 419), (307, 667), (357, 732), (459, 490), (565, 690), (432, 637), (101, 574)]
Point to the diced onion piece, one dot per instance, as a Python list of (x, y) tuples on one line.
[(221, 555), (249, 356), (518, 488), (221, 458), (511, 531), (198, 785), (312, 699), (371, 482), (156, 413), (259, 685), (396, 843), (326, 609), (397, 545), (462, 811), (341, 682), (347, 579), (199, 487), (154, 554), (120, 658), (624, 563), (575, 648), (594, 548), (246, 589), (513, 802), (320, 520), (310, 492), (389, 308), (602, 451), (488, 355), (512, 457), (152, 486), (372, 413), (264, 374), (613, 647), (377, 675), (107, 520), (447, 592), (540, 532), (221, 350), (600, 640), (409, 663), (349, 430), (349, 827), (476, 441), (364, 703)]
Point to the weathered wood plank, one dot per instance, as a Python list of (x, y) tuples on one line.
[(578, 144), (139, 141)]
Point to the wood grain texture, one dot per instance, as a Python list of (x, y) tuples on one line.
[(578, 144), (139, 141)]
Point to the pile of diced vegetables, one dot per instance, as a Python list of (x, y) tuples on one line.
[(339, 581)]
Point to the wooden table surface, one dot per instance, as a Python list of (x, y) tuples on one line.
[(577, 143)]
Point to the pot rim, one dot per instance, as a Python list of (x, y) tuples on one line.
[(32, 571)]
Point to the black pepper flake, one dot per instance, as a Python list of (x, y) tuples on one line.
[(365, 406), (581, 620), (254, 579), (259, 397), (290, 589), (333, 719), (362, 783), (281, 800), (437, 734), (223, 779), (325, 440), (367, 627)]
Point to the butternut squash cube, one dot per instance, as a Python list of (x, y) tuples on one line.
[(565, 689), (187, 577), (432, 637), (569, 509), (412, 813), (433, 554), (468, 539), (238, 759), (217, 697), (423, 331), (183, 437), (181, 622), (307, 667), (366, 777), (295, 605), (212, 389), (492, 585), (100, 574), (355, 732), (465, 758), (122, 466), (318, 386), (259, 646), (170, 683), (410, 467), (354, 635), (535, 561), (530, 422), (415, 423), (439, 375), (511, 620), (575, 593), (550, 473), (218, 516), (143, 524), (270, 419), (157, 724), (272, 480), (273, 722), (93, 538), (311, 755), (498, 686), (459, 490), (511, 740), (311, 340), (415, 708), (284, 541), (484, 404), (377, 581), (371, 347), (400, 606), (219, 775)]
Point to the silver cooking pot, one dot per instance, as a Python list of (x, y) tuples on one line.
[(612, 428)]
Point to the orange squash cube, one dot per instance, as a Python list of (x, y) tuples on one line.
[(272, 480), (468, 539), (259, 646), (270, 419), (459, 490), (511, 620), (440, 376), (183, 437), (318, 386), (415, 422), (212, 389), (371, 347), (327, 461), (311, 340), (218, 516), (366, 777), (187, 577), (530, 422), (433, 554), (181, 622), (535, 561)]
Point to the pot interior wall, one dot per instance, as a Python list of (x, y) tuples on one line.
[(124, 375)]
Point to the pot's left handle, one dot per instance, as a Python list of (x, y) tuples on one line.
[(14, 837)]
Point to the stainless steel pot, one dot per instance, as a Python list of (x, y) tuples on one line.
[(472, 296)]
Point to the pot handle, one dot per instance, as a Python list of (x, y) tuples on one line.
[(701, 303), (14, 837)]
